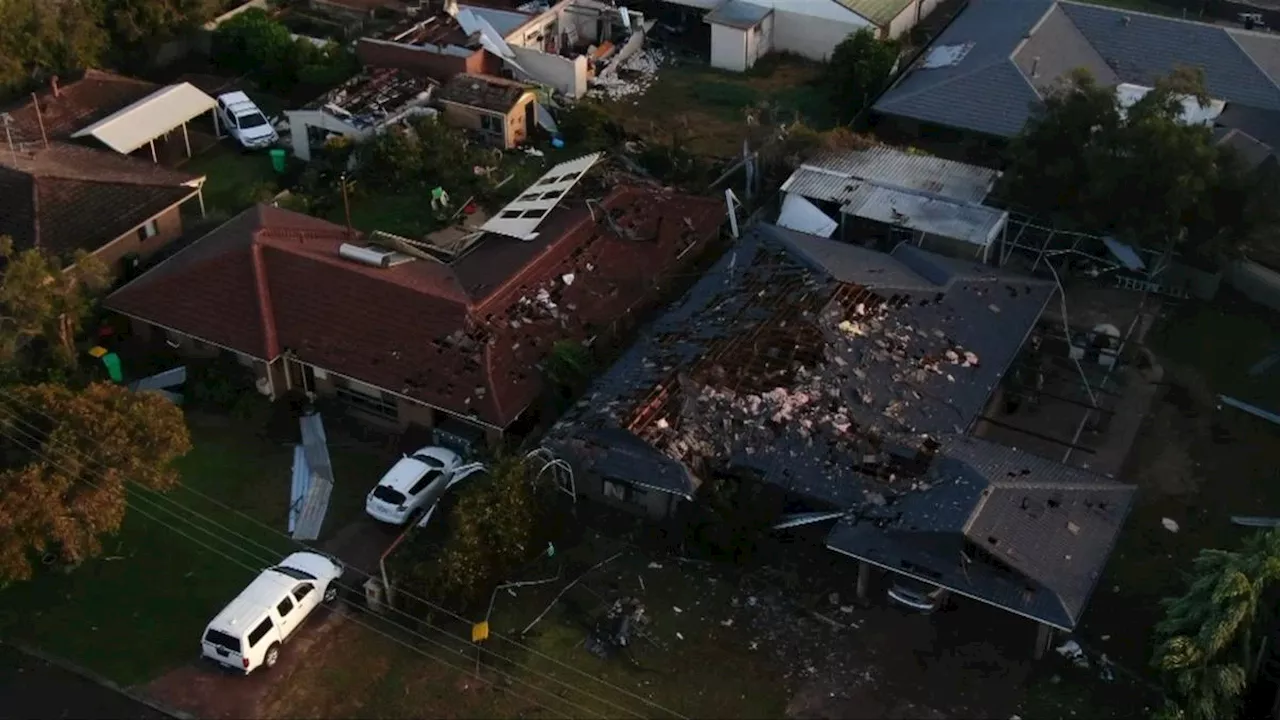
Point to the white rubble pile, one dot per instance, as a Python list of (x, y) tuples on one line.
[(613, 87)]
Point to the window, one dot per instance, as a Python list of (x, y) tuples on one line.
[(150, 230), (615, 490), (510, 214), (552, 195), (222, 640), (423, 482), (302, 591), (491, 123), (285, 607), (373, 405), (389, 495), (294, 573), (534, 214), (260, 632)]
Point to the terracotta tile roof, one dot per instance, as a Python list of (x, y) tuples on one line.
[(483, 91), (466, 338), (66, 198), (77, 105)]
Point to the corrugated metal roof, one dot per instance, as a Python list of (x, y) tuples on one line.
[(879, 12), (973, 224), (886, 165), (154, 115)]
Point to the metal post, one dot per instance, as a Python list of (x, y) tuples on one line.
[(186, 140), (35, 100), (864, 578), (1044, 634), (200, 197), (152, 143)]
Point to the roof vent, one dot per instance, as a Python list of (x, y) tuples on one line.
[(372, 256)]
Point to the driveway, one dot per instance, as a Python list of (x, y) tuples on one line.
[(210, 693)]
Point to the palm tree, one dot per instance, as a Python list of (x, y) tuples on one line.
[(1206, 650)]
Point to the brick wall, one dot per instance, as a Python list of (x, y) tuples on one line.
[(168, 226)]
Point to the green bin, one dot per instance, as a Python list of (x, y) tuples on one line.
[(278, 159)]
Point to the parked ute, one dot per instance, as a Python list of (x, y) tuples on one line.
[(248, 633), (413, 485), (243, 120), (919, 596)]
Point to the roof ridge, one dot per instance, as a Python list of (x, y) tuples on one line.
[(1252, 61), (954, 79)]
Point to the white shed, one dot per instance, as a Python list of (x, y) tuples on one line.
[(741, 32)]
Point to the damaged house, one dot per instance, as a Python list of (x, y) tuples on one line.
[(852, 381), (404, 332), (361, 106)]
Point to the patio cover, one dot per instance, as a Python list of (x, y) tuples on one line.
[(154, 115)]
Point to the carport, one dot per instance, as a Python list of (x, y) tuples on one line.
[(154, 116)]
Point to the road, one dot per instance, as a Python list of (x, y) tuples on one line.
[(34, 688)]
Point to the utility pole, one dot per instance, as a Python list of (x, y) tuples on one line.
[(346, 205)]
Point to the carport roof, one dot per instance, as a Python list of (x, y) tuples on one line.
[(128, 129)]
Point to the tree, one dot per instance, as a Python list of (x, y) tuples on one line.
[(39, 38), (68, 457), (858, 71), (42, 301), (255, 44), (1140, 173), (497, 525), (138, 26), (1206, 649)]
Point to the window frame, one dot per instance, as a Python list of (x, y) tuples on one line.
[(300, 592), (287, 599), (255, 635)]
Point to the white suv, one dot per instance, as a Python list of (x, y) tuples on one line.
[(243, 120), (248, 633)]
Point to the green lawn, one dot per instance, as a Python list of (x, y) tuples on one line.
[(235, 179), (139, 609), (709, 104), (1222, 341), (406, 215)]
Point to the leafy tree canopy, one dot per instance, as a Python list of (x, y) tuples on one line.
[(68, 457), (859, 69), (39, 38), (1206, 647), (1141, 174), (255, 44), (42, 306)]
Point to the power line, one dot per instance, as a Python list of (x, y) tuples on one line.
[(271, 558), (133, 507), (427, 603)]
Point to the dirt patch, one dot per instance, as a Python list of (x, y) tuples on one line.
[(205, 691)]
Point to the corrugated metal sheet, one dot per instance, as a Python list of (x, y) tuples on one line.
[(149, 118), (298, 486), (315, 501), (884, 165), (974, 224)]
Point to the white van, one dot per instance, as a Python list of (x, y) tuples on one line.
[(248, 633)]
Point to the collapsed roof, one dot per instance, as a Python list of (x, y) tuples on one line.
[(848, 377)]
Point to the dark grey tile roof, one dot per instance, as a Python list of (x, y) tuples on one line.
[(1141, 48), (850, 263), (1035, 534), (1262, 125), (990, 89), (774, 365), (1252, 152)]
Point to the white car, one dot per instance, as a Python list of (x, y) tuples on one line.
[(248, 633), (413, 485), (242, 119)]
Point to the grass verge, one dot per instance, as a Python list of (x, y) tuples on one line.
[(139, 608)]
